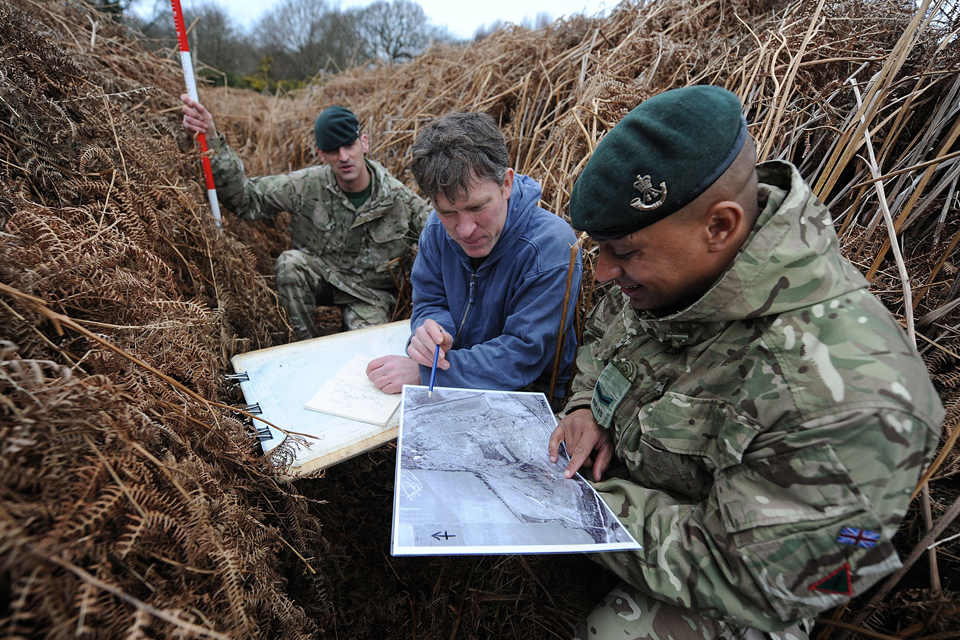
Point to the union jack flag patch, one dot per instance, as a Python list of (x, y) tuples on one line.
[(858, 537)]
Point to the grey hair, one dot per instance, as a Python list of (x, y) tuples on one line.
[(451, 154)]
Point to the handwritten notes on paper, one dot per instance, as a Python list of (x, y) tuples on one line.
[(350, 394)]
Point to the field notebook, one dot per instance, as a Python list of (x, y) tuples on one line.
[(350, 394)]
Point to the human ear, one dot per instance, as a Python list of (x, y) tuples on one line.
[(508, 181), (724, 225)]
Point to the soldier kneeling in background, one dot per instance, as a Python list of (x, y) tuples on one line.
[(349, 219)]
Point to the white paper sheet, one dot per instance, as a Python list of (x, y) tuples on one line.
[(283, 378)]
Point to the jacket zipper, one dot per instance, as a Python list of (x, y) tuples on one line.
[(473, 279)]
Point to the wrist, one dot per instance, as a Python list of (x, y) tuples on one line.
[(216, 142), (574, 406)]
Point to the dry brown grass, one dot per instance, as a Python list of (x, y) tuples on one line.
[(814, 77)]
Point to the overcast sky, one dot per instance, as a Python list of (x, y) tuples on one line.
[(461, 17)]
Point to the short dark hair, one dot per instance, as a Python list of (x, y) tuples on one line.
[(455, 151)]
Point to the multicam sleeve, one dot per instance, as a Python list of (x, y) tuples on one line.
[(589, 365), (419, 211), (801, 524), (249, 198)]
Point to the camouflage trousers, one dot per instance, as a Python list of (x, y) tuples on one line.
[(627, 614), (302, 286)]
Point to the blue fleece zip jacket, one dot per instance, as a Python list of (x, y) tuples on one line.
[(504, 316)]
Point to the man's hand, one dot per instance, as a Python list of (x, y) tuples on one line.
[(424, 343), (582, 436), (390, 373), (196, 118)]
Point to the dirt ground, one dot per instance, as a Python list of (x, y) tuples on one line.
[(379, 596)]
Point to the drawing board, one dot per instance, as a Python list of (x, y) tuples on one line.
[(474, 476), (280, 380)]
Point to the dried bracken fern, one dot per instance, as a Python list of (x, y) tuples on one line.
[(128, 508)]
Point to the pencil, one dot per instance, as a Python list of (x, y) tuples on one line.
[(433, 371)]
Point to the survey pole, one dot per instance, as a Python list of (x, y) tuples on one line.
[(191, 81)]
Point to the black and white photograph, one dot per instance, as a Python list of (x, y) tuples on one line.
[(473, 477)]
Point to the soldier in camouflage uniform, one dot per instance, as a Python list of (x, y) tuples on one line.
[(351, 221), (761, 417)]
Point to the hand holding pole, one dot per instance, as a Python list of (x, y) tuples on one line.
[(191, 81)]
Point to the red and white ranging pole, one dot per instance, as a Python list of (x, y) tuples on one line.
[(191, 81)]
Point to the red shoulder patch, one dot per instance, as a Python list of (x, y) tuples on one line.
[(838, 582)]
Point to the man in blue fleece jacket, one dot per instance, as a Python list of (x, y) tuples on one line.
[(490, 276)]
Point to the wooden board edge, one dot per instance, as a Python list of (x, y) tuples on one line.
[(340, 455)]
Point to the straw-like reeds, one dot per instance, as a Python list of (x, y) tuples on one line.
[(132, 505)]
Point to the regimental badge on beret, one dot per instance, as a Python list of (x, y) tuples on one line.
[(686, 138), (650, 198)]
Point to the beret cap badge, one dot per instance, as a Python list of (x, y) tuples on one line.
[(686, 137), (650, 198)]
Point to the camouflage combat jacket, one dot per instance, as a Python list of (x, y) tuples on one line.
[(355, 246), (769, 435)]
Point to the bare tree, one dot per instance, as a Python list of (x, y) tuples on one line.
[(297, 39), (485, 31), (112, 7), (218, 42), (397, 31), (543, 19), (305, 37)]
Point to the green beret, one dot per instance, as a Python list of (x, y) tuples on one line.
[(335, 127), (657, 160)]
